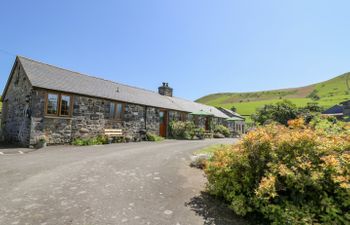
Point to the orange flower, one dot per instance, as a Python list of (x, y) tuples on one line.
[(296, 123)]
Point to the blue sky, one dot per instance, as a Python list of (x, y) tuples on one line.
[(197, 46)]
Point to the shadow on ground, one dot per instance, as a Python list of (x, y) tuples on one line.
[(4, 145), (7, 148), (213, 211)]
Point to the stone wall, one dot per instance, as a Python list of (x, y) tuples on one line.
[(16, 108), (200, 121), (57, 130), (90, 117), (134, 120), (152, 120)]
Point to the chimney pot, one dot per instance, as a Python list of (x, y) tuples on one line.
[(165, 90)]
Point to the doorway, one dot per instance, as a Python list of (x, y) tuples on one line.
[(163, 122), (207, 123)]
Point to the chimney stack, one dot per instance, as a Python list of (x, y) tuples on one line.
[(165, 90)]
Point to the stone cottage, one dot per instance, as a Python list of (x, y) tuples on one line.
[(41, 99)]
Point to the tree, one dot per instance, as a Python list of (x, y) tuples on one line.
[(311, 110), (234, 109), (280, 112), (314, 95), (312, 107)]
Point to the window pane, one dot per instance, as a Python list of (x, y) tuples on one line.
[(161, 117), (65, 105), (52, 100), (119, 113), (112, 110)]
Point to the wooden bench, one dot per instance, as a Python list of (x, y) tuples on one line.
[(113, 133)]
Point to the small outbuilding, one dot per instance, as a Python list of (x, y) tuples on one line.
[(235, 122), (341, 111)]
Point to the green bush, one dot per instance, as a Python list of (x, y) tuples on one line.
[(288, 175), (185, 130), (79, 142), (280, 112), (153, 137), (200, 133), (222, 130), (182, 130), (99, 140), (312, 107), (329, 125)]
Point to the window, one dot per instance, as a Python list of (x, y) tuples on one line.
[(112, 110), (161, 117), (52, 104), (119, 112), (58, 104), (65, 105), (116, 111)]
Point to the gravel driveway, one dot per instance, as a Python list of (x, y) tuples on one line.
[(134, 183)]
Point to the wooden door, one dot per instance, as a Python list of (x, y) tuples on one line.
[(163, 122), (207, 122)]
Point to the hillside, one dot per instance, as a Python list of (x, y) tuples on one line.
[(330, 92)]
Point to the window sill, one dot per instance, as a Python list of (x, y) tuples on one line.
[(58, 117)]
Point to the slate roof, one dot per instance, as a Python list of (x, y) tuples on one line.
[(50, 77), (230, 113), (334, 110), (345, 102)]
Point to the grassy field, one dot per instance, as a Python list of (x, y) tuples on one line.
[(331, 92)]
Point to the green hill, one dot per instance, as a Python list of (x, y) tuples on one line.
[(330, 92)]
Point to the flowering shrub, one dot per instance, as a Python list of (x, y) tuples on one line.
[(182, 130), (289, 175), (222, 130)]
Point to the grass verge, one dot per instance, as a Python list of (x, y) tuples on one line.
[(211, 149)]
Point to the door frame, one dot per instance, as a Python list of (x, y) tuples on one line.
[(165, 123)]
